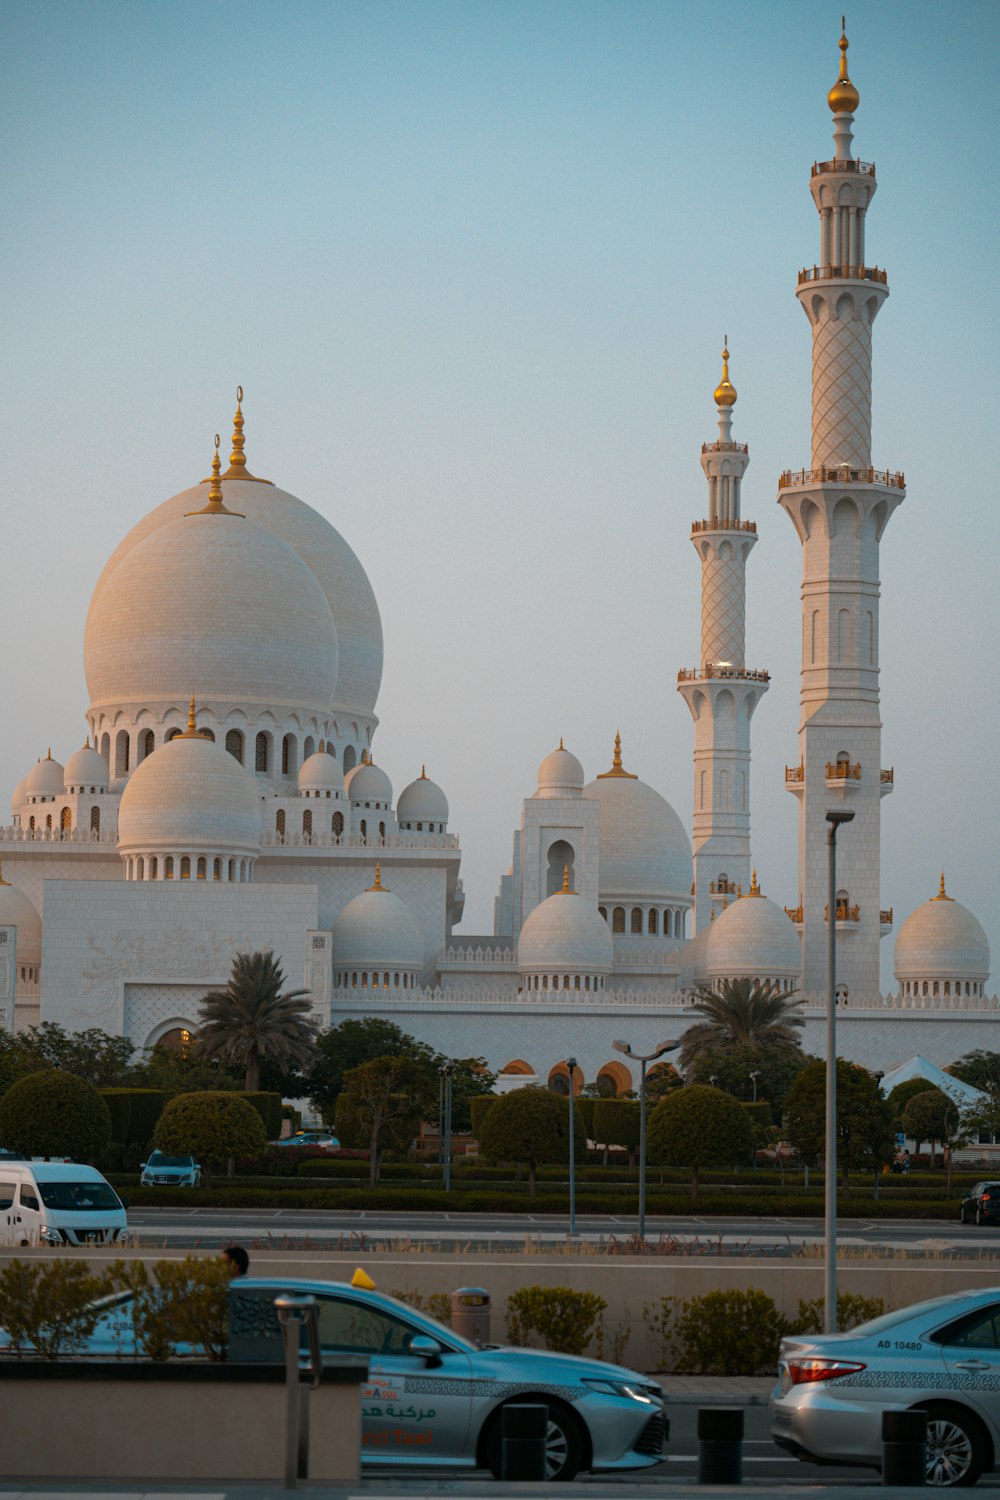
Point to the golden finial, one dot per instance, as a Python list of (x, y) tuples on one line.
[(712, 915), (561, 746), (565, 885), (378, 886), (237, 459), (423, 773), (617, 769), (725, 391), (754, 887), (364, 757), (942, 894), (49, 755), (843, 98), (739, 890), (215, 506), (322, 747)]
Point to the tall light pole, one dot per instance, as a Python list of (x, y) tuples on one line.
[(571, 1068), (661, 1050), (753, 1079), (449, 1068), (830, 1155), (878, 1076)]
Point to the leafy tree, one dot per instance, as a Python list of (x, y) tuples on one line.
[(864, 1120), (184, 1070), (661, 1079), (935, 1117), (251, 1019), (739, 1016), (531, 1125), (616, 1123), (698, 1127), (387, 1097), (982, 1070), (777, 1066), (900, 1096), (52, 1113), (50, 1309), (344, 1047), (213, 1126)]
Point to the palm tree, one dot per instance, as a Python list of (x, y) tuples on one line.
[(740, 1014), (251, 1021)]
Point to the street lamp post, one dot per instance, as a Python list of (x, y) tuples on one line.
[(449, 1068), (878, 1079), (753, 1079), (571, 1067), (830, 1154), (661, 1050)]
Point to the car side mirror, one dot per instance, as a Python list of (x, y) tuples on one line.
[(142, 1166), (427, 1349)]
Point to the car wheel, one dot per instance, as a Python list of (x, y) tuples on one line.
[(563, 1446), (979, 1216), (956, 1451)]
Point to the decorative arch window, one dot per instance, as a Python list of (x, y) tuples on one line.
[(350, 758), (843, 759), (364, 831), (172, 734), (279, 822), (168, 868), (288, 755), (202, 870), (260, 754), (232, 869), (147, 743), (185, 867), (603, 912), (420, 827), (217, 869), (666, 924), (307, 826), (308, 747), (154, 868), (48, 820), (636, 919), (381, 833), (31, 824), (140, 868), (65, 819), (337, 825), (653, 921), (207, 734), (234, 744), (618, 919), (121, 753), (395, 981), (354, 981)]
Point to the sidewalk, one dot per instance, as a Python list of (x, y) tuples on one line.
[(716, 1390)]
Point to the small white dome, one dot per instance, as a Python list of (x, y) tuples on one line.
[(369, 783), (215, 605), (942, 940), (17, 911), (321, 773), (565, 934), (86, 767), (753, 939), (189, 796), (422, 801), (376, 930), (560, 775), (45, 779), (17, 800), (694, 955), (644, 848)]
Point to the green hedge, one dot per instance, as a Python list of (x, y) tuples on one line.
[(479, 1107), (134, 1113), (268, 1106)]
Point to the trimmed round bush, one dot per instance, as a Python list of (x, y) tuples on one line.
[(212, 1126), (54, 1113)]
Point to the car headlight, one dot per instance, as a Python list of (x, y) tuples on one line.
[(649, 1395)]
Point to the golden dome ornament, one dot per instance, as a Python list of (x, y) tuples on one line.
[(843, 98), (725, 391)]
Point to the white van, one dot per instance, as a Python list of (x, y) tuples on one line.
[(57, 1203)]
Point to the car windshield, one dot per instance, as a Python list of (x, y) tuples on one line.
[(159, 1160), (78, 1197)]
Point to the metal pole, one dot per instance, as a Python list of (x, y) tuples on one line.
[(571, 1065), (440, 1149), (447, 1127), (642, 1151), (830, 1154)]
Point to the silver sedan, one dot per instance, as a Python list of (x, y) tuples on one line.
[(942, 1357)]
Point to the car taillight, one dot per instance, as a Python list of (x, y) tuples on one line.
[(986, 1197), (809, 1371)]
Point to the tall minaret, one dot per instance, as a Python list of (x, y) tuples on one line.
[(840, 507), (721, 693)]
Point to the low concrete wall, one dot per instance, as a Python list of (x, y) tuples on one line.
[(77, 1420), (629, 1284)]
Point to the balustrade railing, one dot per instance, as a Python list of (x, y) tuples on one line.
[(711, 672), (720, 525), (843, 273), (795, 773), (719, 447), (887, 777), (843, 770), (885, 917), (842, 474), (722, 888), (795, 912), (846, 164), (845, 912)]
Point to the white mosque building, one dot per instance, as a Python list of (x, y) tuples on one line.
[(227, 797)]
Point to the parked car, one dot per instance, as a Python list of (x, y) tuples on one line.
[(942, 1357), (433, 1398), (57, 1203), (162, 1170), (981, 1203), (321, 1138)]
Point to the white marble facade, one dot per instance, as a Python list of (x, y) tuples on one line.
[(227, 796)]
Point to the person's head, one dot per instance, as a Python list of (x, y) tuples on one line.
[(237, 1259)]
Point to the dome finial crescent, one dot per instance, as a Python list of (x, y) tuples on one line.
[(617, 769), (843, 98), (192, 732), (237, 459), (754, 887), (942, 894), (378, 886), (565, 885), (725, 391), (215, 506)]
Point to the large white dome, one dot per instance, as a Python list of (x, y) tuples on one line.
[(189, 797), (942, 940), (214, 605), (645, 851), (753, 939), (565, 934), (376, 930), (340, 575), (17, 911)]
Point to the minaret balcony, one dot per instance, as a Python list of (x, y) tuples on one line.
[(844, 273), (712, 671), (842, 474), (885, 920), (722, 888), (843, 773), (721, 447), (794, 914), (847, 915), (795, 781), (886, 780), (720, 525), (844, 164)]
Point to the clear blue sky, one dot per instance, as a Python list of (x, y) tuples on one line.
[(472, 265)]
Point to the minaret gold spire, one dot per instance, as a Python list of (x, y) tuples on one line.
[(423, 773), (754, 887), (617, 769), (565, 885), (843, 98), (215, 506), (192, 732), (378, 886), (942, 894), (237, 459), (725, 391)]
